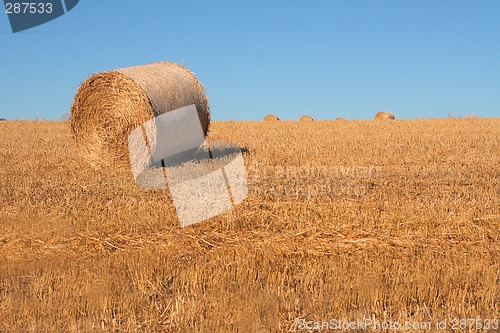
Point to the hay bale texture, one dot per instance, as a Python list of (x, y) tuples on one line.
[(109, 105), (306, 118), (271, 117), (384, 115)]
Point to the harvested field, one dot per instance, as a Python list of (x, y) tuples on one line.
[(397, 221)]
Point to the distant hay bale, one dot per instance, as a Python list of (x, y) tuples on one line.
[(306, 118), (109, 105), (271, 117), (340, 119), (385, 115)]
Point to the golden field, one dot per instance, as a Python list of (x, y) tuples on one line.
[(382, 220)]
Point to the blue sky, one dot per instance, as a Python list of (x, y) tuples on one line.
[(324, 58)]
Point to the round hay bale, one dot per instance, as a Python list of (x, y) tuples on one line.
[(109, 105), (306, 118), (384, 115), (340, 119), (271, 117)]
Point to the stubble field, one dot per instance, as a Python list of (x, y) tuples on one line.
[(389, 221)]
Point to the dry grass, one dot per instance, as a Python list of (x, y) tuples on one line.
[(84, 250)]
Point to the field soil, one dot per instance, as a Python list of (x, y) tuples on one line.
[(382, 221)]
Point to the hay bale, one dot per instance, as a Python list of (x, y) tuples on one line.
[(109, 105), (271, 117), (340, 119), (384, 115), (306, 118)]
